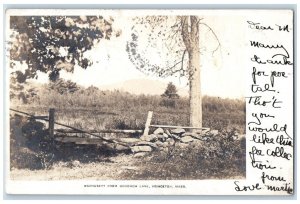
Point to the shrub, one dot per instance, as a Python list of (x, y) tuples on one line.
[(169, 103), (63, 87), (30, 145), (220, 157)]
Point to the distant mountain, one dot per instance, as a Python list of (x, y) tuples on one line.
[(143, 86)]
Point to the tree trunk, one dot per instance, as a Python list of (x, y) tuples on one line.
[(195, 90), (190, 36)]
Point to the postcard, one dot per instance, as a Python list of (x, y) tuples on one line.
[(149, 102)]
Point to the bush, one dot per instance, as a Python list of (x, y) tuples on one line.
[(220, 157), (30, 145), (125, 122), (169, 103)]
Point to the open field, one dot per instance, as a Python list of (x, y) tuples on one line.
[(95, 109)]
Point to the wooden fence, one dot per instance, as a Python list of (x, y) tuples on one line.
[(61, 134)]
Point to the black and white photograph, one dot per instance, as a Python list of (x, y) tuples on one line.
[(150, 101)]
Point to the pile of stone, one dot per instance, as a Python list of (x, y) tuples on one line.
[(162, 140)]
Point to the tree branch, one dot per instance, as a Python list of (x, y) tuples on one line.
[(214, 34), (182, 59), (194, 26), (185, 32), (170, 68)]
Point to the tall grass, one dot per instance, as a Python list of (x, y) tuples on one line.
[(92, 108), (96, 109)]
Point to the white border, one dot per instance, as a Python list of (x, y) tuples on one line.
[(194, 187), (174, 2)]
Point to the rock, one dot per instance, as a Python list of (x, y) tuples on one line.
[(140, 154), (193, 135), (186, 139), (175, 137), (165, 144), (159, 143), (170, 141), (149, 138), (172, 135), (162, 137), (178, 131), (143, 143), (206, 138), (165, 135), (142, 148), (198, 138), (205, 130), (110, 145), (189, 134), (168, 132), (158, 131), (121, 147), (118, 147)]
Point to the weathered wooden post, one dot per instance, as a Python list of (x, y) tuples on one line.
[(148, 122), (51, 122)]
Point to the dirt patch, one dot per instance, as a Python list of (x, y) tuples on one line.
[(110, 168)]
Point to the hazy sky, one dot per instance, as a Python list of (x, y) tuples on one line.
[(222, 74)]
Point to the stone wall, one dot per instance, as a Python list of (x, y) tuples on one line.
[(163, 139)]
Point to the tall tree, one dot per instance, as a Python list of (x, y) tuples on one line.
[(176, 41), (51, 43), (171, 91)]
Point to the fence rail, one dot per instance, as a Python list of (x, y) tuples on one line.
[(52, 122), (30, 115), (183, 127), (101, 131), (59, 137)]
